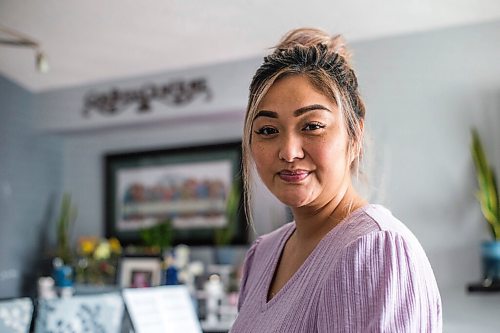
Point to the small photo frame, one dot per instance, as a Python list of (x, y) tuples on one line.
[(140, 272)]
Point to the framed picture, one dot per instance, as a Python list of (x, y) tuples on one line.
[(140, 272), (197, 190)]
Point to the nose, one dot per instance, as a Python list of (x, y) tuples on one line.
[(290, 149)]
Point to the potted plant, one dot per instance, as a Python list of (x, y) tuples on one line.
[(488, 198), (64, 225), (62, 261), (158, 237)]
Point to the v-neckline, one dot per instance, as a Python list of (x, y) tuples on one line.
[(281, 246), (274, 266)]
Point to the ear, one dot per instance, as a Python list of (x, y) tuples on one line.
[(357, 148), (361, 137)]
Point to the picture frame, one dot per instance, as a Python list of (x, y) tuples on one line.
[(190, 187), (139, 272)]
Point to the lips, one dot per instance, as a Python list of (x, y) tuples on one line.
[(293, 176)]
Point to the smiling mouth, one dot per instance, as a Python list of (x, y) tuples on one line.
[(294, 176)]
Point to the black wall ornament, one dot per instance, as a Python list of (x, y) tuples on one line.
[(115, 101)]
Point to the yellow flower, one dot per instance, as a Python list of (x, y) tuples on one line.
[(87, 245), (103, 251), (115, 245)]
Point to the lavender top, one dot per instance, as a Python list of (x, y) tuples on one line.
[(368, 274)]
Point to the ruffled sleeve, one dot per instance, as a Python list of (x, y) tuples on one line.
[(247, 264), (382, 283)]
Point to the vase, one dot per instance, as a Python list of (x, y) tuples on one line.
[(490, 252)]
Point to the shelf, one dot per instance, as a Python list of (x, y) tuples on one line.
[(480, 287)]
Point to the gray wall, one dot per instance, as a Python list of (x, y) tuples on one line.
[(30, 175)]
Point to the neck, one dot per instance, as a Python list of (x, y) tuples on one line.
[(314, 222)]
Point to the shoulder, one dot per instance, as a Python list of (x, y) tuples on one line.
[(269, 242), (266, 245), (371, 222), (383, 268), (374, 229), (388, 252), (381, 246), (384, 219)]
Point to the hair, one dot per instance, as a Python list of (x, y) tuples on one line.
[(325, 61)]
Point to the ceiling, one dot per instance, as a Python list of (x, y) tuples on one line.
[(93, 40)]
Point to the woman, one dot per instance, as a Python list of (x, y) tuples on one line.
[(343, 265)]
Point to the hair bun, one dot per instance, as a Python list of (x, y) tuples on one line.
[(308, 37)]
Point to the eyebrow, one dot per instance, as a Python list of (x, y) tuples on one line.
[(296, 113)]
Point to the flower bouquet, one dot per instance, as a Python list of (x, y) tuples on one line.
[(97, 260)]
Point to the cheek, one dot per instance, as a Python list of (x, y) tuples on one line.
[(261, 156), (328, 155)]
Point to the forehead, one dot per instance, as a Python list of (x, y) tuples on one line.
[(292, 92)]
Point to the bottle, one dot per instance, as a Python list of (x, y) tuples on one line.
[(214, 291), (46, 288), (170, 272), (63, 277)]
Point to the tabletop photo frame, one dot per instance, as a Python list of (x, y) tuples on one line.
[(189, 187), (139, 272)]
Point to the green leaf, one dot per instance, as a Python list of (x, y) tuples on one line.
[(160, 235), (64, 226), (224, 236), (487, 194)]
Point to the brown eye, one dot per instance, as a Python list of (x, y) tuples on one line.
[(313, 126), (266, 131)]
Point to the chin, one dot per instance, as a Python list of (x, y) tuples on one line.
[(293, 200)]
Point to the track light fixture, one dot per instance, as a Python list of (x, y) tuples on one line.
[(20, 40), (41, 63)]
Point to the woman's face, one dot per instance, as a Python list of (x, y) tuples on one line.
[(299, 144)]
